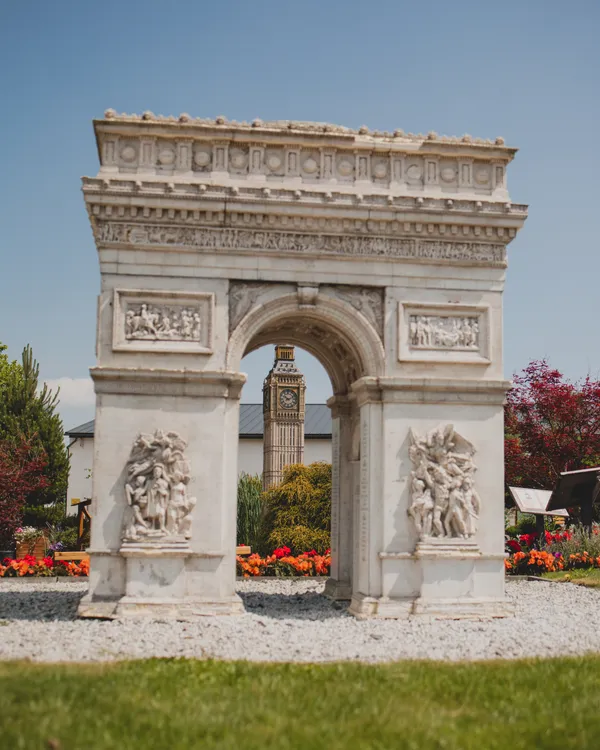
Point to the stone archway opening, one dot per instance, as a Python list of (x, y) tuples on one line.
[(330, 332)]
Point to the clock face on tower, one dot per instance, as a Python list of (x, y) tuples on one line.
[(288, 398)]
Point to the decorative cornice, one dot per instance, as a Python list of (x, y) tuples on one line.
[(148, 217), (431, 390), (294, 155), (98, 190), (165, 382), (296, 127)]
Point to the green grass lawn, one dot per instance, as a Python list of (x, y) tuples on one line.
[(589, 577), (180, 704)]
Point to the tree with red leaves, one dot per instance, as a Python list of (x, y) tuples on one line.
[(551, 425), (21, 473)]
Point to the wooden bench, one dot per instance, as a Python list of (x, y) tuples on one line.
[(71, 556)]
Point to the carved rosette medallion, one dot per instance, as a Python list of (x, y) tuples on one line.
[(444, 503), (158, 505), (152, 320)]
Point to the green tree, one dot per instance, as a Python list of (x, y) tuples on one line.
[(28, 412), (298, 511)]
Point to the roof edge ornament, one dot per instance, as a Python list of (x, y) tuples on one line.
[(305, 127)]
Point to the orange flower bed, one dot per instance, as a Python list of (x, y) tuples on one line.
[(583, 560), (533, 562), (31, 566), (282, 563)]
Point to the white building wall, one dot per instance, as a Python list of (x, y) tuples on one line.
[(250, 456), (317, 450), (81, 458), (250, 461)]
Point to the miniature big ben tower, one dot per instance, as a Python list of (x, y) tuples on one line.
[(283, 409)]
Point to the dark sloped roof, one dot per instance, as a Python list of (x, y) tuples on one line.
[(317, 423), (84, 430)]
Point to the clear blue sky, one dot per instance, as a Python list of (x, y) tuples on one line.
[(528, 70)]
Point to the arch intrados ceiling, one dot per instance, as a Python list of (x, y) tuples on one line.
[(336, 334), (342, 371)]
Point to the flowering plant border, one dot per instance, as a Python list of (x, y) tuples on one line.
[(281, 563), (46, 567)]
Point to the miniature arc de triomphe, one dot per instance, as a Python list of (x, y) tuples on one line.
[(383, 255)]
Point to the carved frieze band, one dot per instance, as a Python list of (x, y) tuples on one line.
[(443, 333), (160, 321), (267, 241)]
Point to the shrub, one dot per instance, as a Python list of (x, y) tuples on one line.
[(298, 512), (526, 524), (249, 509), (62, 537), (576, 541), (41, 516)]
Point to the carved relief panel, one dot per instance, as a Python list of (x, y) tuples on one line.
[(444, 502), (443, 333), (158, 504), (162, 321)]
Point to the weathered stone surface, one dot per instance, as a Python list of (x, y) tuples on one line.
[(384, 256)]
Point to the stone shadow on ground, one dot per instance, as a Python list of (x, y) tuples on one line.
[(308, 605), (39, 605)]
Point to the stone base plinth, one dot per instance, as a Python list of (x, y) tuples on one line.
[(444, 578), (364, 607), (186, 608), (155, 572), (155, 585), (169, 608), (338, 590), (463, 608)]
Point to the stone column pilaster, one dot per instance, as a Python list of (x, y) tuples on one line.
[(339, 584)]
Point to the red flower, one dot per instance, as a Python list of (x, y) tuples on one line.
[(513, 545), (527, 539), (48, 562)]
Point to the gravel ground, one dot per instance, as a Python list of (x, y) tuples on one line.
[(290, 620)]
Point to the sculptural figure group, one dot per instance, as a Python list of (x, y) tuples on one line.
[(444, 501), (428, 332), (156, 488), (163, 323)]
